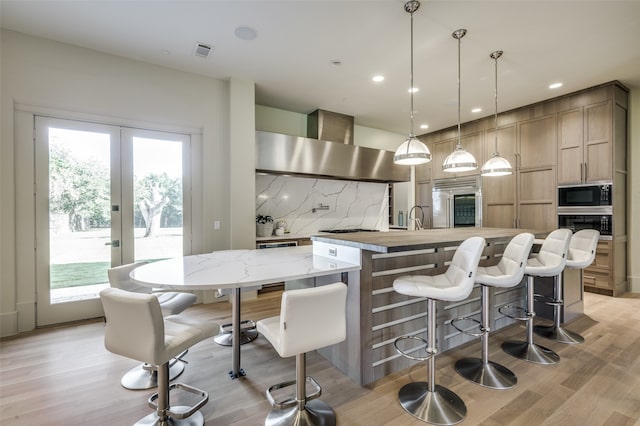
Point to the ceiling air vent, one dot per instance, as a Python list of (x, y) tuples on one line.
[(202, 50)]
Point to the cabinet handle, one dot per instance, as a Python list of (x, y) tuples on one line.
[(581, 172), (586, 172)]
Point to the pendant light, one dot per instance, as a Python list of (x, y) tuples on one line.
[(496, 165), (412, 151), (459, 160)]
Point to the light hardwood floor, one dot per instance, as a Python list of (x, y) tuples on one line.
[(63, 375)]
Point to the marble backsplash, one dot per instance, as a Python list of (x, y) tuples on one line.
[(338, 204)]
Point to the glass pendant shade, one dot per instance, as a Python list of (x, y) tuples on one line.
[(412, 152), (496, 165), (459, 161)]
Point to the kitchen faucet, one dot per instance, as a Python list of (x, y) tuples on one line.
[(418, 222)]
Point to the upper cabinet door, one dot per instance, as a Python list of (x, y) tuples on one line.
[(570, 146), (538, 142), (598, 142), (584, 144)]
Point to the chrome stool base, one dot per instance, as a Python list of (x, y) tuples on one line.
[(248, 333), (531, 352), (315, 413), (558, 334), (138, 378), (490, 375), (196, 419), (440, 407)]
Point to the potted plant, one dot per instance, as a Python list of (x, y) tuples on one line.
[(264, 225)]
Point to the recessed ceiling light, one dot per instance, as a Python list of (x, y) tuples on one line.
[(378, 78), (246, 33), (555, 85), (476, 110), (424, 126), (414, 90)]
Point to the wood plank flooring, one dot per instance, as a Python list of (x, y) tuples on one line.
[(63, 375)]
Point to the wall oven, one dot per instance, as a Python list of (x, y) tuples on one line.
[(576, 219), (585, 195)]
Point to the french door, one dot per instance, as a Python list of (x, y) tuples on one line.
[(105, 196)]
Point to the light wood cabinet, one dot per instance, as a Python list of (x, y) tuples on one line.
[(499, 192), (573, 139), (536, 208), (439, 152), (585, 144), (607, 273)]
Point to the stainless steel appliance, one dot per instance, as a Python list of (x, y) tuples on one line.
[(457, 202), (585, 195), (599, 218), (586, 207)]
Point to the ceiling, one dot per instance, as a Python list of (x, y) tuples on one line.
[(292, 59)]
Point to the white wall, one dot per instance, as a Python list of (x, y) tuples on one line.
[(47, 77)]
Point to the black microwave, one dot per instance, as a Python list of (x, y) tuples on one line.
[(585, 195)]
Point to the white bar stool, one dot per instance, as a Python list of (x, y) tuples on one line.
[(582, 251), (310, 319), (425, 400), (548, 262), (171, 303), (136, 329), (507, 273)]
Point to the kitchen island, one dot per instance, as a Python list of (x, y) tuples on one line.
[(377, 315)]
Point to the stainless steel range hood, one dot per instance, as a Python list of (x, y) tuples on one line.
[(283, 154)]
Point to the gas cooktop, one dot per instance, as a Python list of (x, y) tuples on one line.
[(346, 231)]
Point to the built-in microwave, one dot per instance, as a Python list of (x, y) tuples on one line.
[(585, 195)]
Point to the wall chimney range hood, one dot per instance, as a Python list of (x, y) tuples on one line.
[(292, 155), (330, 126)]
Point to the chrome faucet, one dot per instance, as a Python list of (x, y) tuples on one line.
[(419, 222)]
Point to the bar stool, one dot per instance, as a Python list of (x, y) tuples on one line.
[(582, 251), (425, 400), (310, 319), (548, 262), (171, 303), (136, 329), (507, 273)]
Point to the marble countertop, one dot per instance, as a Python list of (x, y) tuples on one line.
[(390, 242), (238, 268)]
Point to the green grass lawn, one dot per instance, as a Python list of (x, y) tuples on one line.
[(79, 274)]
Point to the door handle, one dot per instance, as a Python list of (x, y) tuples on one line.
[(114, 243)]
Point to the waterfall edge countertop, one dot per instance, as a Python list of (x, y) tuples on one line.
[(238, 269), (391, 242)]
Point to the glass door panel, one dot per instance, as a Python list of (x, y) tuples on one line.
[(158, 196), (74, 180)]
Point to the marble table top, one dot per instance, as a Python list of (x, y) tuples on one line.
[(238, 268)]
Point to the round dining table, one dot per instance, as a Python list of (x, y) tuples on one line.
[(238, 270)]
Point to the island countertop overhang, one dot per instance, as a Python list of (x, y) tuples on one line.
[(393, 242)]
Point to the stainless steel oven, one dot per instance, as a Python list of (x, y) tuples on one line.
[(578, 218), (585, 195)]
